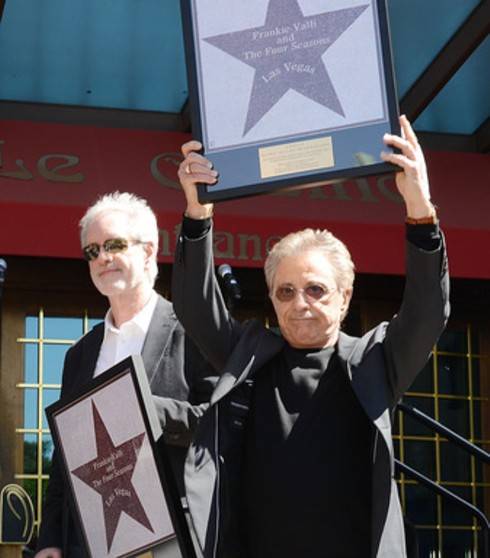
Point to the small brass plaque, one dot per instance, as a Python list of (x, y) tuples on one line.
[(299, 156)]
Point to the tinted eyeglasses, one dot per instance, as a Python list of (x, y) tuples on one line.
[(111, 246), (312, 293)]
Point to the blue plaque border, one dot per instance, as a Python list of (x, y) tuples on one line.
[(239, 164)]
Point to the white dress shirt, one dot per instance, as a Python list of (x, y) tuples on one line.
[(127, 340)]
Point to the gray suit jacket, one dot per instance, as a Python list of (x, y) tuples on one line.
[(381, 366), (181, 383)]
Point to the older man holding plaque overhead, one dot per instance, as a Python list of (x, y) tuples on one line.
[(295, 456)]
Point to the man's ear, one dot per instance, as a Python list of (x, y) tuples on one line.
[(346, 298), (347, 295), (150, 250)]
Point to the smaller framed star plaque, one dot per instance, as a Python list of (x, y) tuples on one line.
[(122, 490), (289, 93)]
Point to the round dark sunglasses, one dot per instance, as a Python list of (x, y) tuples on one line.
[(111, 246), (287, 293)]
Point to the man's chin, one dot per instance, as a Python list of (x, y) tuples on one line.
[(109, 290), (298, 341)]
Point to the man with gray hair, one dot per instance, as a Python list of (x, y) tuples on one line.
[(119, 238), (294, 458)]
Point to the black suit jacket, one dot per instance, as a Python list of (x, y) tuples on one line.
[(181, 382)]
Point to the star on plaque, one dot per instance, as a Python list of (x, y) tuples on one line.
[(286, 53), (110, 474)]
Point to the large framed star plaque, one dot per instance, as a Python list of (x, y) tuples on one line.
[(285, 93), (121, 487)]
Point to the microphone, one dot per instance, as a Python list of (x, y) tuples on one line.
[(231, 284), (3, 272)]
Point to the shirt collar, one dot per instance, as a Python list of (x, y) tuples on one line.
[(141, 320)]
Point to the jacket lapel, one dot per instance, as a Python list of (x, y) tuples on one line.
[(162, 326), (345, 347), (268, 345), (83, 372)]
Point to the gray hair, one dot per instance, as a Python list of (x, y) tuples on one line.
[(142, 221), (308, 239)]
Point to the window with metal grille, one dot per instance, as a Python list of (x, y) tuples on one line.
[(45, 342), (452, 389)]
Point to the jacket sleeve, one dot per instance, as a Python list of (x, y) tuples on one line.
[(51, 531), (51, 528), (198, 301), (179, 419), (412, 333)]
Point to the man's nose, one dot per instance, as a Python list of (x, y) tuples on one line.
[(105, 256), (300, 300)]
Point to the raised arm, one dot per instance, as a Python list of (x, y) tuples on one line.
[(195, 169), (424, 311), (196, 295), (412, 182)]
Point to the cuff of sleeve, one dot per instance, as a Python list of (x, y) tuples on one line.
[(195, 228), (426, 237)]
